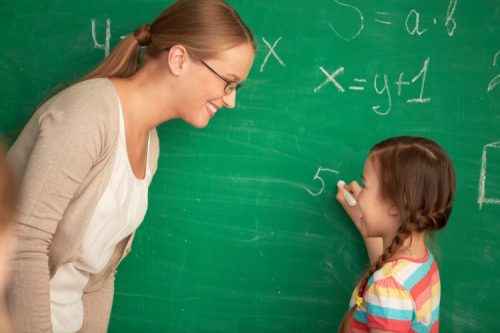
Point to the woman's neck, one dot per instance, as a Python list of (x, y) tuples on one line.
[(140, 99)]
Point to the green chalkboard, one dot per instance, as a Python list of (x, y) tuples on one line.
[(243, 233)]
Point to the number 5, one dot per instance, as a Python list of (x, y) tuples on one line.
[(316, 176)]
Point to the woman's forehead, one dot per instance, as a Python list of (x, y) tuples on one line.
[(236, 61)]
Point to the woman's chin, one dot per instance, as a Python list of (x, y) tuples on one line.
[(199, 123)]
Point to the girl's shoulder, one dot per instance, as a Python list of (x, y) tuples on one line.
[(406, 272)]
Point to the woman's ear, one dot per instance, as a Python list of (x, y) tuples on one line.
[(177, 59)]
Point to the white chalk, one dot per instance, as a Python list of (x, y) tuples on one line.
[(347, 195)]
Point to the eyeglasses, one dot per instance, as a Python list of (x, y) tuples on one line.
[(230, 85)]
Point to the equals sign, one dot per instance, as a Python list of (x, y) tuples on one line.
[(382, 21), (358, 87)]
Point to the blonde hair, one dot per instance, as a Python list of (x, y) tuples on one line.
[(417, 176), (203, 27)]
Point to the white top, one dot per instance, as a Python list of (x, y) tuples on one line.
[(118, 214)]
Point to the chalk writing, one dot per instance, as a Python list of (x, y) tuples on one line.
[(381, 86), (482, 199), (318, 177), (104, 46), (496, 80), (331, 78), (385, 88), (412, 21), (361, 22), (383, 19), (450, 22), (271, 51), (495, 58), (414, 18)]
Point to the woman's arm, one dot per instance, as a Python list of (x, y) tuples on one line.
[(53, 155)]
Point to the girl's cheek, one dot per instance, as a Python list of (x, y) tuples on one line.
[(361, 199)]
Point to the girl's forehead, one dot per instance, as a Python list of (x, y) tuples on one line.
[(370, 171)]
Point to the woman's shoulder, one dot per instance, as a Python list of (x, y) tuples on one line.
[(95, 96), (90, 102)]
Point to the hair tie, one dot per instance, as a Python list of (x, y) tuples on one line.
[(359, 301), (143, 35)]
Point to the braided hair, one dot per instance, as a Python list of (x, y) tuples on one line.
[(417, 175)]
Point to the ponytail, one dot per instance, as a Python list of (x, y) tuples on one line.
[(204, 27), (123, 61)]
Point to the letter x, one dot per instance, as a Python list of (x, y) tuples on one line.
[(271, 51), (331, 78)]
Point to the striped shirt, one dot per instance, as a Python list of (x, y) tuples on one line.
[(402, 296)]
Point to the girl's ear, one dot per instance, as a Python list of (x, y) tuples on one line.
[(393, 211), (177, 59)]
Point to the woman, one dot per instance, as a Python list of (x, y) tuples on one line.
[(87, 156)]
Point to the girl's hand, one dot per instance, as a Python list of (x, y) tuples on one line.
[(374, 245), (353, 211)]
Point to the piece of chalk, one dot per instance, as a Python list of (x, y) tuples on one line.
[(347, 195)]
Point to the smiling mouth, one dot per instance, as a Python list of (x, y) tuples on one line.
[(212, 109)]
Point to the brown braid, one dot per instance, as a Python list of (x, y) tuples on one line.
[(396, 244), (433, 220)]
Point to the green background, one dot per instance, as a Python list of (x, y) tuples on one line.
[(233, 240)]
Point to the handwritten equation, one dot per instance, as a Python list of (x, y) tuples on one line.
[(412, 21), (412, 24), (381, 86)]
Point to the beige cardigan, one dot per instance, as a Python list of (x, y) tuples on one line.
[(64, 157)]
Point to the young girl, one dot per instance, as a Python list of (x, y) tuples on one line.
[(409, 186), (86, 158)]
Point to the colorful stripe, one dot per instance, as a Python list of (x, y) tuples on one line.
[(402, 296)]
